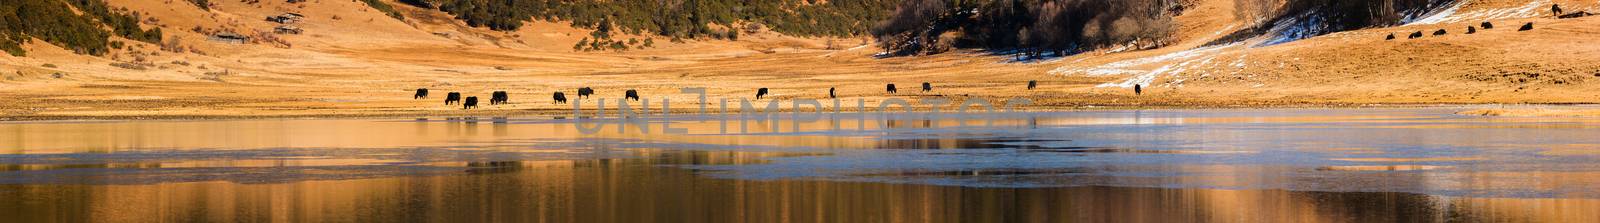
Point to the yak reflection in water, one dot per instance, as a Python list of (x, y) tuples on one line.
[(1150, 166), (639, 190)]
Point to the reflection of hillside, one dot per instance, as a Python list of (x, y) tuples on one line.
[(637, 190)]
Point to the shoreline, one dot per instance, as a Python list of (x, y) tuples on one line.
[(1515, 110)]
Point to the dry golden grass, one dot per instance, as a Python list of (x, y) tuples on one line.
[(1533, 112), (364, 64)]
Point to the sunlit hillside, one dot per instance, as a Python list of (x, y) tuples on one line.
[(365, 58)]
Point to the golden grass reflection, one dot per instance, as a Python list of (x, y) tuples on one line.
[(638, 190)]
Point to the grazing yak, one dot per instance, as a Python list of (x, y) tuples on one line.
[(1526, 27), (1441, 32), (584, 92), (1137, 90), (471, 102), (1415, 35), (1032, 83), (421, 93), (560, 97), (1555, 8), (1578, 14), (1487, 25), (926, 87), (1390, 37), (631, 95), (499, 97), (452, 97), (1471, 30), (761, 92), (891, 89), (830, 93)]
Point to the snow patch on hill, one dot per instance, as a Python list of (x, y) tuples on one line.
[(1175, 63), (1437, 17), (1452, 15)]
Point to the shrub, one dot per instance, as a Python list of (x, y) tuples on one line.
[(203, 4), (385, 8)]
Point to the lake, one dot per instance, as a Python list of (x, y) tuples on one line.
[(1222, 165)]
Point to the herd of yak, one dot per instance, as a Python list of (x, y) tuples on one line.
[(1486, 25), (501, 97)]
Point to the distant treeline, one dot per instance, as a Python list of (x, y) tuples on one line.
[(385, 8), (55, 22), (1031, 26), (676, 18), (1298, 19)]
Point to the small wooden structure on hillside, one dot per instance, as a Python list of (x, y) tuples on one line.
[(287, 29), (286, 18), (229, 37)]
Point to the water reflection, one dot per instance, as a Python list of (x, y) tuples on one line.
[(1311, 165), (638, 190)]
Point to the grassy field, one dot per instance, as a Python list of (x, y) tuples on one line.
[(365, 63)]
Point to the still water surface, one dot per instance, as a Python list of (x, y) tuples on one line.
[(1266, 165)]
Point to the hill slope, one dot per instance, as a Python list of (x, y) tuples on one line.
[(353, 60)]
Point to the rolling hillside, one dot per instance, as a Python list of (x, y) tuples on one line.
[(352, 59)]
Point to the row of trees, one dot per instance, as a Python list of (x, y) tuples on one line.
[(385, 8), (1308, 18), (1068, 26), (613, 45), (122, 22), (55, 21), (675, 18), (52, 21), (1031, 26)]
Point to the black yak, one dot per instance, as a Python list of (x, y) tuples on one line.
[(584, 92), (471, 102), (830, 93), (1390, 37), (421, 93), (761, 92), (1032, 83), (1137, 90), (452, 97), (891, 89), (1578, 14), (1556, 8), (926, 87), (499, 97), (1487, 25), (560, 97), (1471, 30), (1415, 35), (1526, 27), (1441, 32), (631, 95)]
